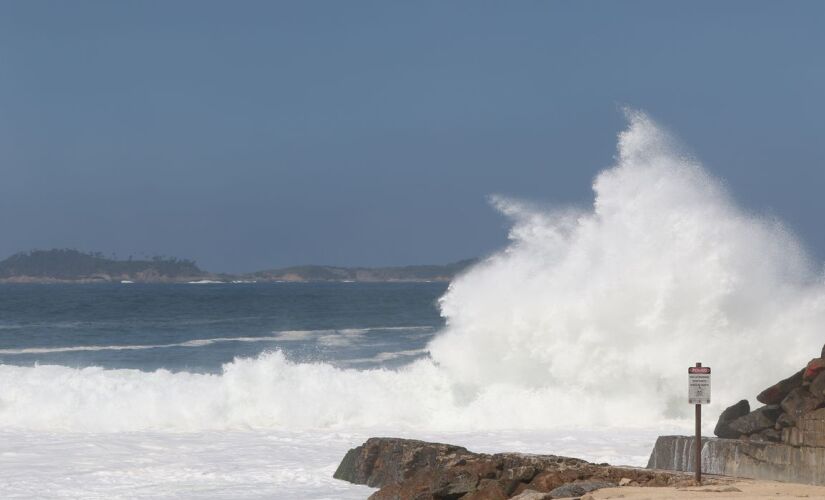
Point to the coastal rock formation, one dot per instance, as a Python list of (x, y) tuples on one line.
[(793, 412), (783, 440), (407, 469), (742, 458), (723, 429)]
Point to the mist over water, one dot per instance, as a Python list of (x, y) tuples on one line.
[(587, 317), (600, 311)]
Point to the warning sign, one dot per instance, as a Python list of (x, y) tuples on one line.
[(699, 385)]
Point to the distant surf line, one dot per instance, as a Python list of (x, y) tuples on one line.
[(326, 336)]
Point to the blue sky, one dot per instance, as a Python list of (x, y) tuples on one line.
[(249, 135)]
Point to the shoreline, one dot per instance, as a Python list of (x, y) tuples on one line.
[(740, 489)]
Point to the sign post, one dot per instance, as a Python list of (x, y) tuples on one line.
[(698, 394)]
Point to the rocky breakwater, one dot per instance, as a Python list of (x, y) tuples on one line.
[(793, 411), (406, 469), (784, 439)]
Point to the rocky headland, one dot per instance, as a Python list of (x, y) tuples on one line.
[(72, 266)]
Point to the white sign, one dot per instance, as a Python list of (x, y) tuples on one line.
[(699, 385)]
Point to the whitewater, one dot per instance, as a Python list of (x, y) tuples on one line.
[(574, 339)]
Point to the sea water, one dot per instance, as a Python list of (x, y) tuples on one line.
[(223, 390), (573, 340)]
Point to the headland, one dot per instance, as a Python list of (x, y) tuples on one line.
[(73, 266)]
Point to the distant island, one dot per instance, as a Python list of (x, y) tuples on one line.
[(330, 273), (73, 266)]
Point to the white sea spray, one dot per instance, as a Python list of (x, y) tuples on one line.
[(587, 317)]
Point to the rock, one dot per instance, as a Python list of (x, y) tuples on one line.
[(760, 418), (783, 421), (406, 469), (792, 436), (768, 435), (488, 489), (798, 402), (533, 495), (814, 368), (523, 473), (382, 461), (774, 394), (809, 431), (625, 481), (454, 483), (817, 387), (579, 488), (735, 457), (547, 480), (730, 414)]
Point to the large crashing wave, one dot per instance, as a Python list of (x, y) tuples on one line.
[(586, 318)]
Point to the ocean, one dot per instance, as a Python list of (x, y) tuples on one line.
[(198, 328), (574, 339), (218, 390)]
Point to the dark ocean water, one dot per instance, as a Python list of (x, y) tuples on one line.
[(199, 327)]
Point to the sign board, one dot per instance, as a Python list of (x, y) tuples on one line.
[(699, 385)]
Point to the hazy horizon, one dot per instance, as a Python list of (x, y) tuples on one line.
[(373, 134), (146, 257)]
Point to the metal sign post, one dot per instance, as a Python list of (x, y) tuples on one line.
[(698, 394)]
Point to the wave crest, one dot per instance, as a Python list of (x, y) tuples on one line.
[(588, 317)]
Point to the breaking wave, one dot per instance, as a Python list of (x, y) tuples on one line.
[(587, 317), (330, 337)]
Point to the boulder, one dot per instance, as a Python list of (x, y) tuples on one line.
[(547, 480), (798, 402), (454, 483), (730, 414), (814, 368), (579, 488), (774, 394), (755, 421), (382, 461), (488, 489), (817, 387), (406, 469)]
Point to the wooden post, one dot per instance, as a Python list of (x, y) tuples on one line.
[(698, 460)]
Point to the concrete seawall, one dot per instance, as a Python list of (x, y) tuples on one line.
[(734, 457)]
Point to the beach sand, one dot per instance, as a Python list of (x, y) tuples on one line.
[(741, 490)]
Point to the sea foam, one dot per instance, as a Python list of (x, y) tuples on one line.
[(587, 317)]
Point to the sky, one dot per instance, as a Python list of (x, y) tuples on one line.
[(252, 135)]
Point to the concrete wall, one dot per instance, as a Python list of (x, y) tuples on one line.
[(734, 457)]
